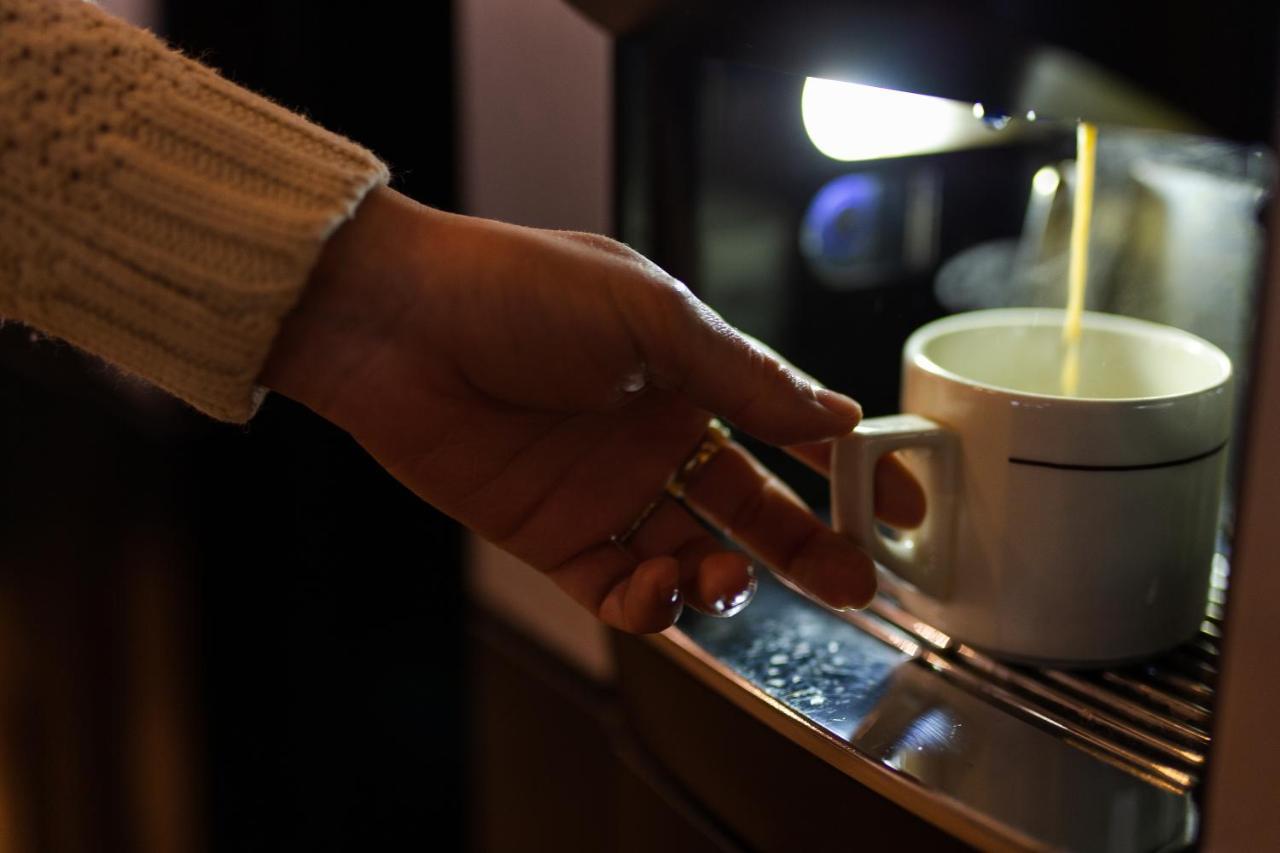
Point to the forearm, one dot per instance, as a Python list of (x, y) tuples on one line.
[(150, 211)]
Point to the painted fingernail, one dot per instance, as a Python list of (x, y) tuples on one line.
[(675, 601), (838, 404), (731, 605)]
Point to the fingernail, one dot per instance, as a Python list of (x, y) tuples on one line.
[(850, 604), (853, 596), (731, 605), (676, 602), (838, 404)]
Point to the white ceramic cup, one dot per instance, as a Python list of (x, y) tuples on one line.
[(1070, 530)]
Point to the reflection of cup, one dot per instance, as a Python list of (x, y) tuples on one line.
[(955, 742), (1060, 529)]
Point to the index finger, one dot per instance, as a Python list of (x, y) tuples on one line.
[(744, 499)]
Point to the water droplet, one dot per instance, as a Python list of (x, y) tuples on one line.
[(634, 381), (996, 121), (779, 659)]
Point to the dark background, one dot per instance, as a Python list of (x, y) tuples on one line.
[(248, 636), (356, 692)]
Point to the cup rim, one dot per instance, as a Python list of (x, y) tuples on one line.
[(913, 350)]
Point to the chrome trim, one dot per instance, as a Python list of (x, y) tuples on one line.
[(1003, 756), (967, 824), (1183, 708), (999, 678), (1133, 710)]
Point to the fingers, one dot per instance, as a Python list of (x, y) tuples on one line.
[(899, 497), (742, 497), (684, 346), (672, 559), (640, 598), (713, 579), (647, 601), (691, 349), (726, 582), (816, 455)]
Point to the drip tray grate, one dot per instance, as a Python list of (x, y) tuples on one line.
[(1152, 719)]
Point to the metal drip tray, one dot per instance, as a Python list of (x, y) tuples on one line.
[(1150, 719), (1003, 755)]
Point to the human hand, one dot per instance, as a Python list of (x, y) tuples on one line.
[(541, 388)]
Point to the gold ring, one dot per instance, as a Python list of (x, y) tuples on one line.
[(621, 539), (716, 437)]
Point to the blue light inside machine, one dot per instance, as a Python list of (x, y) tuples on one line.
[(842, 235), (842, 222), (872, 227)]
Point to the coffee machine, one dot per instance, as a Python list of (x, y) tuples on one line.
[(829, 176)]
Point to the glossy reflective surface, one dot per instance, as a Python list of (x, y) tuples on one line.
[(910, 701), (801, 655)]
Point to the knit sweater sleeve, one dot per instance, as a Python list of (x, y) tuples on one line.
[(151, 212)]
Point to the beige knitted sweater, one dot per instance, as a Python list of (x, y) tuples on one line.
[(152, 212)]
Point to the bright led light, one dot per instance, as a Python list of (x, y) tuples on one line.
[(1046, 181), (850, 121)]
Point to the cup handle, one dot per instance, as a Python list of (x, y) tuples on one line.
[(924, 559)]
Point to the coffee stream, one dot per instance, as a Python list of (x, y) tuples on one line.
[(1078, 270)]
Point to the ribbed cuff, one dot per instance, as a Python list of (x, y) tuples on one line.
[(180, 220)]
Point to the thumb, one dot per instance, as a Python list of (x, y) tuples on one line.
[(695, 352)]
